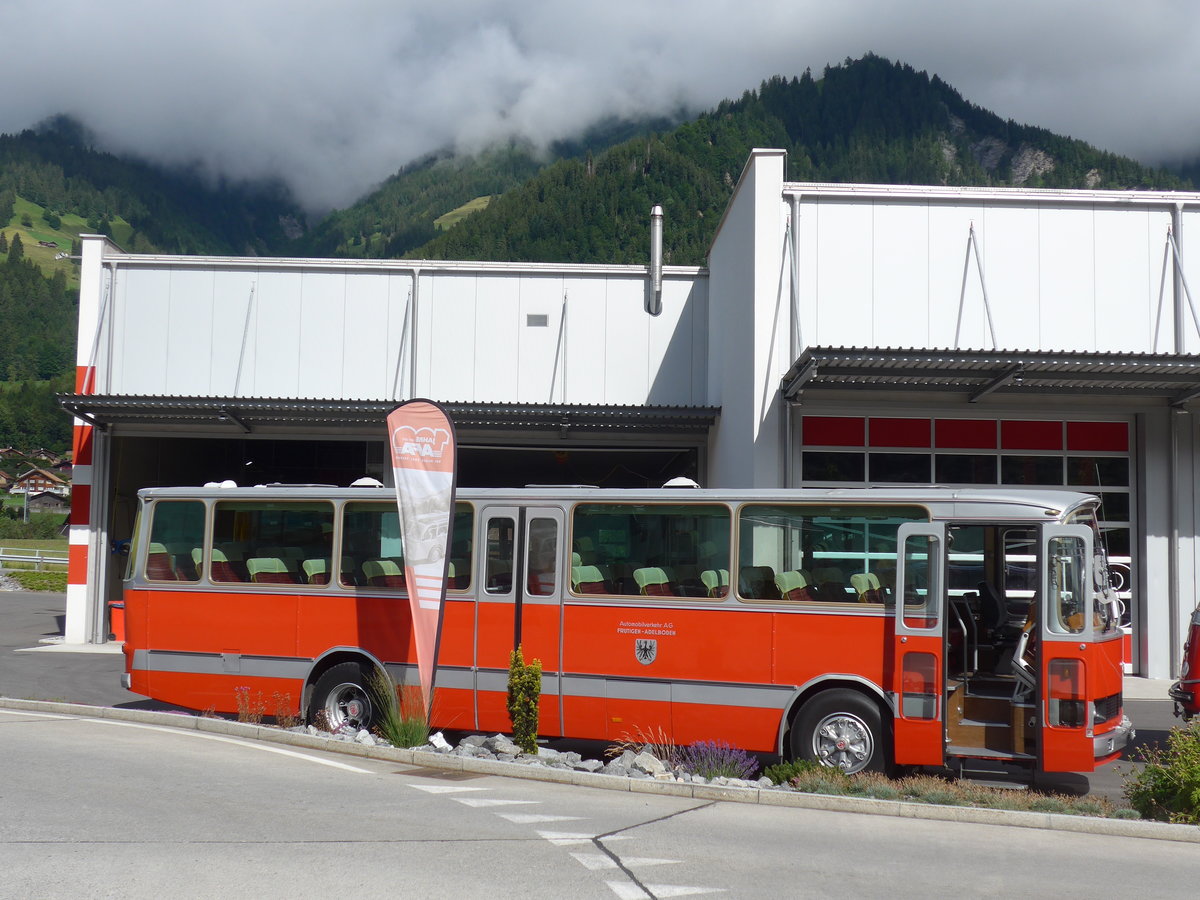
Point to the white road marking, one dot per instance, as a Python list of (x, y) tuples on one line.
[(595, 861), (627, 890), (572, 838), (680, 890), (251, 745), (443, 788), (520, 819), (488, 801)]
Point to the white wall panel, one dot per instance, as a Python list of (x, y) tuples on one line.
[(497, 338), (141, 320), (900, 288), (539, 348), (587, 320), (949, 233), (322, 326), (626, 342), (275, 332), (1126, 280), (450, 306), (230, 301), (670, 341), (1009, 256), (189, 332), (1068, 278), (1189, 250), (845, 235), (374, 317)]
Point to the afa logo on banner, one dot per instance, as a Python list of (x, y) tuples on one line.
[(429, 443)]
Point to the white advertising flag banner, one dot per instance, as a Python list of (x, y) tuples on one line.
[(421, 437)]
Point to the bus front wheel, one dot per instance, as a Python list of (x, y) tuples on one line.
[(841, 729), (342, 698)]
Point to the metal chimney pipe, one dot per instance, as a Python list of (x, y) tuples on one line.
[(654, 295)]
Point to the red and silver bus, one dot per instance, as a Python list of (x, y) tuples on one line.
[(867, 628), (1186, 691)]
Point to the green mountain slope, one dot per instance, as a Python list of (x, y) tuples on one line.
[(55, 168), (868, 120)]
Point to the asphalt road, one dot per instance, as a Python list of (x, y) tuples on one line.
[(105, 808), (58, 673)]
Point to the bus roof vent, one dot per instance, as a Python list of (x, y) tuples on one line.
[(227, 483), (366, 481), (681, 481)]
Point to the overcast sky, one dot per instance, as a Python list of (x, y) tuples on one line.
[(335, 97)]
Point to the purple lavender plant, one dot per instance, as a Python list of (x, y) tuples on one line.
[(714, 759)]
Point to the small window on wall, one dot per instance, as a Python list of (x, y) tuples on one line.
[(823, 465), (965, 468), (176, 541), (1031, 470), (899, 468), (1098, 471)]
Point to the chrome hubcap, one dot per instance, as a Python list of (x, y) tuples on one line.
[(843, 741), (347, 706)]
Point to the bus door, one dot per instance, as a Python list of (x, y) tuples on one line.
[(539, 606), (519, 603), (1064, 637), (919, 648)]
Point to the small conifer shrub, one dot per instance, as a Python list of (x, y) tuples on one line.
[(524, 689)]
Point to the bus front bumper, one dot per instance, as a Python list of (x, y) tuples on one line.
[(1184, 695), (1114, 741)]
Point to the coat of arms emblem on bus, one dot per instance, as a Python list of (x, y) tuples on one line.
[(645, 649)]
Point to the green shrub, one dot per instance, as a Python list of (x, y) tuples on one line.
[(1168, 787), (400, 711), (783, 772), (524, 689)]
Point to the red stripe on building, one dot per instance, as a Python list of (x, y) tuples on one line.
[(77, 564)]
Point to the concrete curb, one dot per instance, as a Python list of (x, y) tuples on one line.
[(863, 805)]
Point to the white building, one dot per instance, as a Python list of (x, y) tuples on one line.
[(840, 335)]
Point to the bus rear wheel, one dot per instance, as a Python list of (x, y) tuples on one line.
[(843, 730), (342, 697)]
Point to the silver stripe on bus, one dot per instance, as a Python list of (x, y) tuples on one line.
[(755, 696)]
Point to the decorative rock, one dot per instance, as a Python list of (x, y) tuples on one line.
[(439, 742), (649, 763), (474, 740), (589, 765), (364, 737), (615, 768)]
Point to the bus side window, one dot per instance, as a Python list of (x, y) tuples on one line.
[(176, 529)]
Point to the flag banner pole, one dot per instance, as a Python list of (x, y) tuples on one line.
[(421, 437)]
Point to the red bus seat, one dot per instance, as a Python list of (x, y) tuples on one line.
[(269, 570), (653, 582), (316, 571), (158, 564), (793, 586), (587, 580), (383, 573), (715, 581)]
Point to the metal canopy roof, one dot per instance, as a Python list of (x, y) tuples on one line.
[(249, 415), (1172, 378)]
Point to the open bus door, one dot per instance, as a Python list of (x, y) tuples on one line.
[(918, 672), (1065, 638)]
